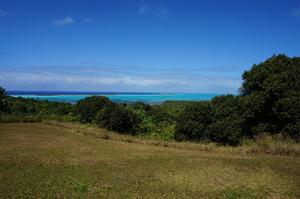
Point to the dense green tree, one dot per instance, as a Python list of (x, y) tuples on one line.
[(87, 108), (193, 121), (146, 124), (226, 127), (268, 103), (271, 92), (117, 118), (226, 130), (226, 105), (141, 106)]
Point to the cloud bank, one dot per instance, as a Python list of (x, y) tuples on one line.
[(115, 78)]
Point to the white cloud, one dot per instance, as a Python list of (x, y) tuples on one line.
[(141, 82), (64, 21), (296, 12), (55, 78), (3, 13), (118, 78), (51, 80), (88, 20)]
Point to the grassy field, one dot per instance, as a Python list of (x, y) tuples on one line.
[(45, 161)]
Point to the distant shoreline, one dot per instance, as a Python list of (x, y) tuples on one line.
[(119, 97), (14, 92)]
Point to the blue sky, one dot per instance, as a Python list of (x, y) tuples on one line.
[(141, 45)]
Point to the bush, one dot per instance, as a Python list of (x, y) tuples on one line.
[(87, 108), (117, 118), (193, 122), (104, 116), (166, 133), (292, 130), (141, 106), (145, 122), (226, 131)]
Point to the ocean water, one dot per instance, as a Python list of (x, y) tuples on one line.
[(150, 98)]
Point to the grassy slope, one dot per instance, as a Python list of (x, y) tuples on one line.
[(44, 161)]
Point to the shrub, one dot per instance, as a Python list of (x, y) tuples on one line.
[(87, 108), (104, 116), (292, 130), (117, 118), (193, 122), (226, 130), (145, 122), (225, 105), (141, 106), (166, 133)]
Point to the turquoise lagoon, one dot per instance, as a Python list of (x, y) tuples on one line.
[(150, 98)]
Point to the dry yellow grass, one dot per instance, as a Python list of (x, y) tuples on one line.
[(46, 161), (265, 145)]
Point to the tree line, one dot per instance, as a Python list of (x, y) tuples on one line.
[(268, 102)]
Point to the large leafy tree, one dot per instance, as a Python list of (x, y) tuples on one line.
[(269, 102), (271, 92)]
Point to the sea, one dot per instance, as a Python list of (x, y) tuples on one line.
[(118, 97)]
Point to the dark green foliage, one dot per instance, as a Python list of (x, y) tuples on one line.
[(160, 114), (169, 110), (22, 106), (226, 127), (269, 103), (226, 105), (218, 121), (117, 118), (193, 121), (104, 116), (274, 77), (141, 106), (3, 100), (226, 130), (292, 130), (87, 108), (271, 93), (30, 110)]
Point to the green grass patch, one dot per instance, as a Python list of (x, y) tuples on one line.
[(39, 160)]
